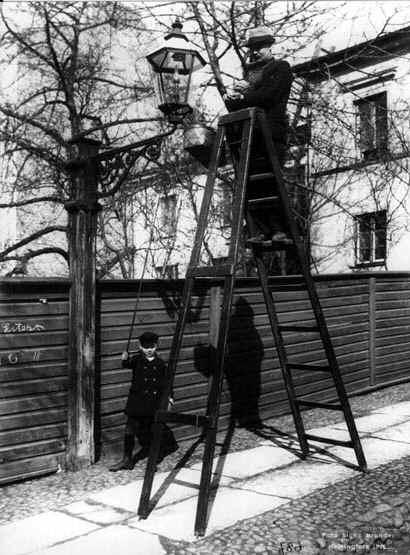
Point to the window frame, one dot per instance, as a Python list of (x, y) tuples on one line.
[(373, 240), (168, 215), (376, 125), (169, 271)]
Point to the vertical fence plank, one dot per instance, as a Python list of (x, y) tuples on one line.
[(372, 329)]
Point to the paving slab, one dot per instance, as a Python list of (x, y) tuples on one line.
[(114, 540), (398, 408), (374, 422), (38, 532), (228, 507), (401, 433), (330, 432), (247, 463), (298, 480), (377, 451), (95, 512), (168, 487)]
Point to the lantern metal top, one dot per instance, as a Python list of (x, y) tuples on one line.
[(176, 48)]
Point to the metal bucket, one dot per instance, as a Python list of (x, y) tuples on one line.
[(198, 141)]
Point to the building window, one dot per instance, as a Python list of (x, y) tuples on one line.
[(168, 215), (371, 238), (169, 271), (372, 126)]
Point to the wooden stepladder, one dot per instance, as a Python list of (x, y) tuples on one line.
[(249, 138)]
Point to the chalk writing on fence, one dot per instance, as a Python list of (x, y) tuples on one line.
[(16, 357), (20, 327)]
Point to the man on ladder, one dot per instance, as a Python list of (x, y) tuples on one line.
[(267, 86)]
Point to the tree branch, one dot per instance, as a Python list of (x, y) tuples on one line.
[(33, 237)]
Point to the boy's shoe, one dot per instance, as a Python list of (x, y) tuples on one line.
[(125, 464), (141, 454), (167, 451)]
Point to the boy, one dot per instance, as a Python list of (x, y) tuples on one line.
[(148, 382)]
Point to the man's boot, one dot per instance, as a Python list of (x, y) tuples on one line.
[(126, 463)]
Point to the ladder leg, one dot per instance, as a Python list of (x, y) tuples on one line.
[(144, 508), (205, 482), (313, 296), (280, 348), (351, 425), (213, 410), (238, 204)]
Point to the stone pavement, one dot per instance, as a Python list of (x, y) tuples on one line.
[(252, 486)]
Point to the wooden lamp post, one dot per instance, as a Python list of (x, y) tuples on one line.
[(172, 64)]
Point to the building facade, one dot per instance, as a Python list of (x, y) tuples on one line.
[(358, 172)]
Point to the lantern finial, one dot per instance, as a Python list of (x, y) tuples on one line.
[(177, 24)]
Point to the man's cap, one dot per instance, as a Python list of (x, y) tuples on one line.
[(259, 36), (148, 338)]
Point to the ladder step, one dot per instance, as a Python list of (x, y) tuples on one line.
[(308, 367), (317, 405), (269, 245), (239, 115), (312, 329), (211, 271), (198, 420), (264, 201), (329, 440), (260, 177)]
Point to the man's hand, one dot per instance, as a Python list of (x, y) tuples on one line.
[(233, 96), (241, 86), (171, 403), (124, 355)]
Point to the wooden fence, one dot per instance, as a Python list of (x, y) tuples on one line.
[(368, 317)]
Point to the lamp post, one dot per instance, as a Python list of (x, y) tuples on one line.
[(172, 64)]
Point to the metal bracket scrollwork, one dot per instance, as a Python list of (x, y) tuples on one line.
[(116, 167)]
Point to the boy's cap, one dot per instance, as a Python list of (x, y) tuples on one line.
[(148, 338), (259, 36)]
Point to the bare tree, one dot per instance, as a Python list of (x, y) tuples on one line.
[(69, 81)]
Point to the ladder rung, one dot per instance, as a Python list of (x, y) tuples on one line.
[(239, 115), (257, 202), (316, 405), (308, 367), (235, 142), (260, 176), (211, 271), (181, 418), (312, 329), (269, 245), (329, 440)]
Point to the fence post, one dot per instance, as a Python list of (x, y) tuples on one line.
[(82, 220), (372, 329)]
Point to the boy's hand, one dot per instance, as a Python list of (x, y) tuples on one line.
[(171, 403), (124, 356)]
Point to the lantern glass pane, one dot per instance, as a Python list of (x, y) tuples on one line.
[(174, 88)]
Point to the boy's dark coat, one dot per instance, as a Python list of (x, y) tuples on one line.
[(148, 382)]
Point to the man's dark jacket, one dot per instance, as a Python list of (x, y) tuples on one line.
[(147, 385), (271, 92)]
